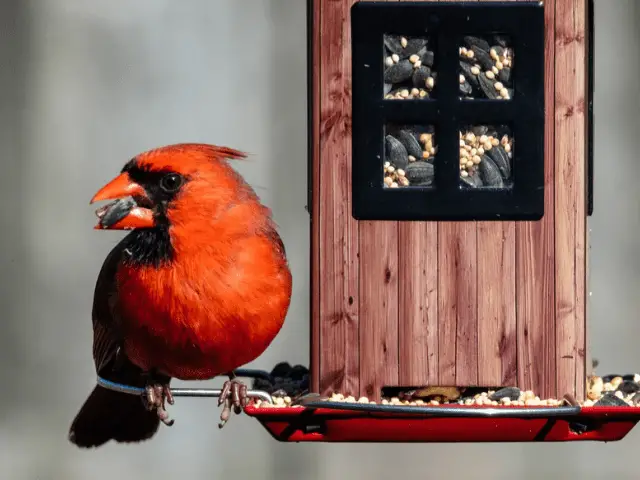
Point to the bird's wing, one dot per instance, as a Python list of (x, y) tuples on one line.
[(107, 341)]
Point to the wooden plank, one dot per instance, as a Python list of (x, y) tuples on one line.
[(535, 253), (338, 272), (570, 199), (497, 337), (457, 332), (457, 302), (418, 303), (497, 342), (378, 304), (316, 168), (378, 307)]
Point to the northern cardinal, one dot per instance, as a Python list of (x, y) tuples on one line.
[(200, 287)]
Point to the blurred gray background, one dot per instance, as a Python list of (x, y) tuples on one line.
[(86, 85)]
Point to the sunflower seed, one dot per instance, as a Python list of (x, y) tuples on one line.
[(512, 393), (490, 173), (426, 57), (392, 42), (414, 45), (487, 87), (420, 76), (399, 72), (471, 41), (420, 173), (396, 153), (410, 142), (466, 89), (504, 75), (468, 75), (610, 400), (483, 58), (501, 159)]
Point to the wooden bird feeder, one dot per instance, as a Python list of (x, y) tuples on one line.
[(450, 184)]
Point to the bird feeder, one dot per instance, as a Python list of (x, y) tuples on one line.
[(450, 184)]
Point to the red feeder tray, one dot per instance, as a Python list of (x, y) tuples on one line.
[(348, 422)]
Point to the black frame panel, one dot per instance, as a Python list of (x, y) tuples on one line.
[(448, 23)]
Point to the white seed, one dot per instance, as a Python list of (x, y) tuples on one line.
[(415, 92), (418, 64), (423, 93), (411, 158), (414, 58), (495, 70), (490, 75), (474, 151), (475, 159), (400, 172), (504, 140), (499, 65), (498, 86), (475, 70), (432, 150), (470, 54), (403, 42), (464, 173), (469, 164), (461, 79), (504, 93), (487, 146), (395, 58), (470, 138), (388, 61), (404, 93), (483, 138), (462, 143), (388, 181), (391, 169), (507, 148), (404, 181), (430, 82), (387, 165), (463, 50), (480, 150), (394, 185), (493, 53), (494, 141)]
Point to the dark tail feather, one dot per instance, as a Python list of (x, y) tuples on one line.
[(109, 415)]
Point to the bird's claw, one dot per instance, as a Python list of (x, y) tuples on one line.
[(155, 397), (233, 395)]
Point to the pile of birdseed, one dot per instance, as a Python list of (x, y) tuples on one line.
[(485, 156), (408, 72), (608, 390), (485, 68)]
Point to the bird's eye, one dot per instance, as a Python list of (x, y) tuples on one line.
[(171, 182)]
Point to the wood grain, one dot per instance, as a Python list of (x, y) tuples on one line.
[(497, 338), (570, 149), (315, 166), (378, 304), (378, 307), (535, 257), (418, 303), (457, 322), (457, 302), (338, 231)]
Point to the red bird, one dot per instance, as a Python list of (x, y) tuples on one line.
[(200, 287)]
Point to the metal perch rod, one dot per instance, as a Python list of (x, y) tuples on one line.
[(188, 392)]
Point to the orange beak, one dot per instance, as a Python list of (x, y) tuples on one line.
[(123, 213)]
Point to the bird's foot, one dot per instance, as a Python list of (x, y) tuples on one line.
[(233, 395), (155, 397)]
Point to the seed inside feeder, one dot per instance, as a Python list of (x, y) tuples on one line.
[(485, 63), (409, 72), (409, 156), (486, 157)]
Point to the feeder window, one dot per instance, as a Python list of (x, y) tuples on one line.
[(441, 92)]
